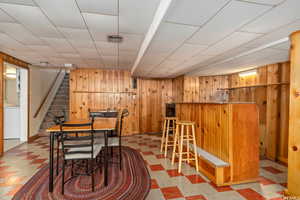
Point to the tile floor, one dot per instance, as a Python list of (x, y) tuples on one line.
[(20, 163), (11, 143)]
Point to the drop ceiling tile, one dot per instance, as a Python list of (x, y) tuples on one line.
[(137, 15), (104, 7), (283, 46), (101, 25), (152, 59), (19, 33), (275, 35), (268, 2), (89, 53), (193, 12), (10, 43), (62, 13), (234, 40), (186, 51), (281, 15), (82, 44), (60, 45), (32, 18), (166, 47), (5, 18), (174, 32), (42, 49), (75, 34), (232, 17), (21, 2)]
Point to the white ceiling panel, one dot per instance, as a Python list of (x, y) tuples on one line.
[(62, 13), (82, 44), (104, 7), (88, 53), (162, 47), (276, 35), (10, 43), (279, 16), (174, 32), (22, 2), (283, 46), (230, 19), (186, 51), (32, 18), (43, 50), (75, 34), (60, 45), (234, 40), (152, 59), (19, 33), (137, 15), (101, 25), (193, 12), (5, 18)]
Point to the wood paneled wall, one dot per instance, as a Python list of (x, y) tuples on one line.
[(102, 89), (269, 89)]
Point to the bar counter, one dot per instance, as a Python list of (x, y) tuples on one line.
[(226, 132)]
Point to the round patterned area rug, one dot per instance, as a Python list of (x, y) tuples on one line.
[(133, 182)]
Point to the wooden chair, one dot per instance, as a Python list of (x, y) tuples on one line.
[(58, 119), (79, 147), (183, 134), (117, 141), (168, 134)]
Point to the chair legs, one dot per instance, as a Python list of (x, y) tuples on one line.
[(92, 175), (57, 156), (120, 157), (63, 178)]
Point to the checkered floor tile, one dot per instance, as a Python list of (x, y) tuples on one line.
[(20, 163)]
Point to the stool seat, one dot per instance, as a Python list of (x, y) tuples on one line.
[(170, 118), (187, 123)]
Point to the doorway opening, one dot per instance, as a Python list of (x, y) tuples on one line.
[(15, 93)]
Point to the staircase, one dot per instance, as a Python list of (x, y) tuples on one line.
[(59, 104)]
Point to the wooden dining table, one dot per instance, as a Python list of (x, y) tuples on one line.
[(101, 126)]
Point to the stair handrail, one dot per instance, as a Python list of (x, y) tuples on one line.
[(46, 96)]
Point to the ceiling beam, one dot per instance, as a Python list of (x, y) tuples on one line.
[(158, 18)]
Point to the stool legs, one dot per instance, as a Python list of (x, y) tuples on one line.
[(195, 148), (175, 143), (167, 137), (163, 137), (181, 148), (188, 143)]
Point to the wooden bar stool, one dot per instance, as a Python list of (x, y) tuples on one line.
[(167, 139), (183, 134)]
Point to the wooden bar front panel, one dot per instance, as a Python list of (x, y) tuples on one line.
[(229, 132)]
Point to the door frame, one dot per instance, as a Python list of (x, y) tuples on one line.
[(12, 60)]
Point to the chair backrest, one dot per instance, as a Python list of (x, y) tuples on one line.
[(120, 121), (103, 114), (75, 141)]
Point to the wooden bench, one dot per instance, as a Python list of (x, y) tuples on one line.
[(211, 166)]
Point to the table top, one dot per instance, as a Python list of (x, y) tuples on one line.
[(100, 124)]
